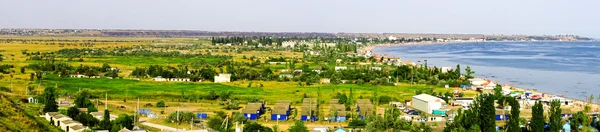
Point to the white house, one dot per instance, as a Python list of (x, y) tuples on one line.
[(489, 85), (376, 68), (290, 44), (392, 38), (337, 68), (338, 61), (446, 69), (159, 79), (286, 76), (321, 129), (462, 101), (325, 81), (223, 78), (427, 103)]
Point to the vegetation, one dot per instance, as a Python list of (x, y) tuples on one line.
[(298, 127), (538, 119)]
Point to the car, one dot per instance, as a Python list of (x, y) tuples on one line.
[(415, 113)]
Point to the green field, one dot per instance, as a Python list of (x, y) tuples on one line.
[(271, 92)]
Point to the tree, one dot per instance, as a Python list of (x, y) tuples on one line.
[(487, 113), (498, 91), (421, 127), (555, 116), (160, 103), (105, 122), (255, 127), (83, 99), (123, 120), (469, 73), (86, 119), (513, 121), (49, 96), (537, 120), (275, 128), (72, 112), (181, 117), (298, 127), (22, 70)]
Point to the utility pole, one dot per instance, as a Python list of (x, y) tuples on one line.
[(106, 101)]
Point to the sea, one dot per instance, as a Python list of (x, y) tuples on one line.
[(569, 69)]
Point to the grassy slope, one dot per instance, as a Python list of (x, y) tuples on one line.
[(13, 117)]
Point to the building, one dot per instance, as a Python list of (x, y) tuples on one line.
[(159, 79), (462, 101), (427, 103), (364, 107), (286, 76), (310, 106), (253, 110), (281, 110), (376, 68), (290, 44), (325, 81), (446, 69), (337, 68), (321, 129), (64, 122), (223, 78), (337, 112)]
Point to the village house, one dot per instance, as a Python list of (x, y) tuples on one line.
[(281, 110), (286, 76), (337, 68), (427, 103), (159, 79), (223, 78), (290, 44), (376, 68), (325, 81)]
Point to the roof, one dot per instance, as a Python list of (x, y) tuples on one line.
[(77, 127), (70, 122), (427, 98), (124, 130), (279, 111), (306, 110), (309, 100), (337, 107), (97, 113), (249, 111), (339, 113), (334, 101), (363, 101)]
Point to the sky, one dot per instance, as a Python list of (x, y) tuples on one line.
[(509, 17)]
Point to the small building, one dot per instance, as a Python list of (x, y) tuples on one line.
[(338, 60), (462, 101), (253, 110), (286, 76), (281, 110), (427, 103), (364, 107), (337, 68), (290, 44), (325, 81), (68, 125), (221, 78), (446, 69), (321, 129), (32, 100), (159, 79), (337, 112), (310, 106), (376, 68)]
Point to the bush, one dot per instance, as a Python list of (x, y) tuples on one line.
[(160, 103), (384, 99)]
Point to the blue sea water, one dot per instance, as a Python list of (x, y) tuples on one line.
[(571, 69)]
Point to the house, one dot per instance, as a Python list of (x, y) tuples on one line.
[(427, 103), (462, 101), (364, 107), (310, 106), (290, 44), (325, 81), (100, 115), (446, 69), (286, 76), (32, 100), (376, 68), (337, 68), (223, 78), (69, 125), (489, 85), (78, 76), (281, 110), (253, 110), (337, 112), (338, 61), (159, 79), (320, 129)]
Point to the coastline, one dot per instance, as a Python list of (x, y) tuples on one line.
[(576, 102)]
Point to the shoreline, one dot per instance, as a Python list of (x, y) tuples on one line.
[(576, 102)]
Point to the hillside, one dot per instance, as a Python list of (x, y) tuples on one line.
[(14, 117)]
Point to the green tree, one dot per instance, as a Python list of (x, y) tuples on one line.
[(87, 119), (123, 120), (72, 112), (487, 113), (105, 122), (83, 99), (298, 127), (469, 73), (275, 128), (555, 116), (22, 70), (49, 97), (537, 119), (255, 127), (513, 121), (421, 127), (498, 91), (160, 103)]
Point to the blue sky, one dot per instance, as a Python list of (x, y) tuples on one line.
[(530, 17)]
